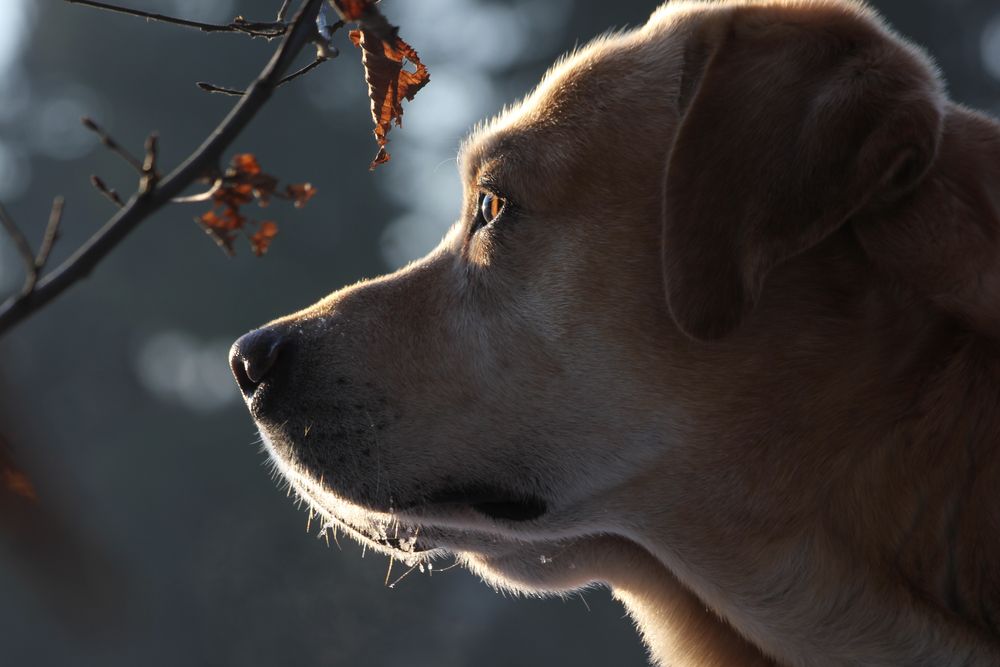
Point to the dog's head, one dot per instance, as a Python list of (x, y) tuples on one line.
[(655, 249)]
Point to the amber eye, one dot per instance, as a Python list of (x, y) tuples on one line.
[(491, 207)]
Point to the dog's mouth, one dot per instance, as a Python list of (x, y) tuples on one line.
[(411, 531), (401, 540), (424, 528), (461, 516), (431, 527), (492, 502)]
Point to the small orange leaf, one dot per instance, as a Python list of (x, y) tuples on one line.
[(210, 219), (246, 164), (260, 241), (243, 183), (300, 193)]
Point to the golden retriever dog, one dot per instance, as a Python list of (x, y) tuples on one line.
[(718, 327)]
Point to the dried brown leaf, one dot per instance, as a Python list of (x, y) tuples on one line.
[(352, 10), (389, 83)]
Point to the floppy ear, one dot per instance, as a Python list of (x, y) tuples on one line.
[(792, 121)]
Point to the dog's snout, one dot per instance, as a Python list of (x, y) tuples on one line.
[(253, 357)]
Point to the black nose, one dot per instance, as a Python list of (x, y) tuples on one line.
[(253, 356)]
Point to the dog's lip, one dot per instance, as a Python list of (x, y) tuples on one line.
[(404, 546), (491, 501), (425, 528), (255, 399)]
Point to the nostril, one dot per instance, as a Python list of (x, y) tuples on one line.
[(253, 356)]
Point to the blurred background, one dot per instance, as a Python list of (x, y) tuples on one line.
[(158, 537)]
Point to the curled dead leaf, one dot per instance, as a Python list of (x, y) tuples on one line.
[(389, 83)]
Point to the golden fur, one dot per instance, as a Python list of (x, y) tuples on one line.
[(730, 349)]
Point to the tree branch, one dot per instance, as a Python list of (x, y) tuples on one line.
[(283, 11), (34, 265), (103, 188), (204, 160), (111, 144), (267, 30), (23, 249), (51, 233), (212, 88)]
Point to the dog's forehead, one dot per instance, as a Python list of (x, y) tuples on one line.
[(549, 117), (614, 86), (574, 101)]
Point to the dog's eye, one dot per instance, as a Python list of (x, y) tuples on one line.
[(490, 207)]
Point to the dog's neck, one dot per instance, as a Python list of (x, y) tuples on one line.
[(932, 490), (677, 627), (906, 513), (914, 477)]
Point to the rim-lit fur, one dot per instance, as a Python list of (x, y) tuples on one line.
[(734, 335)]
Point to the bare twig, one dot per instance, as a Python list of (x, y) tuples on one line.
[(110, 193), (305, 70), (212, 88), (201, 196), (267, 30), (283, 11), (149, 175), (51, 234), (33, 265), (111, 144), (23, 249), (203, 161)]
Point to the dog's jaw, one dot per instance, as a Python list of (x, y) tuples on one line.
[(521, 557)]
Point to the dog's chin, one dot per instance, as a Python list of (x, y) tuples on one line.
[(421, 536), (418, 532), (490, 530), (460, 519)]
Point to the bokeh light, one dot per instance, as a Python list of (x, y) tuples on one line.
[(990, 47), (178, 368)]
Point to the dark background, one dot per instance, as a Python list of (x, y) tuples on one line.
[(118, 398)]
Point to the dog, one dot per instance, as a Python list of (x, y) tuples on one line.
[(718, 328)]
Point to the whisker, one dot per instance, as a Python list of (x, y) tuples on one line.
[(450, 567), (336, 538), (388, 573), (403, 576)]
